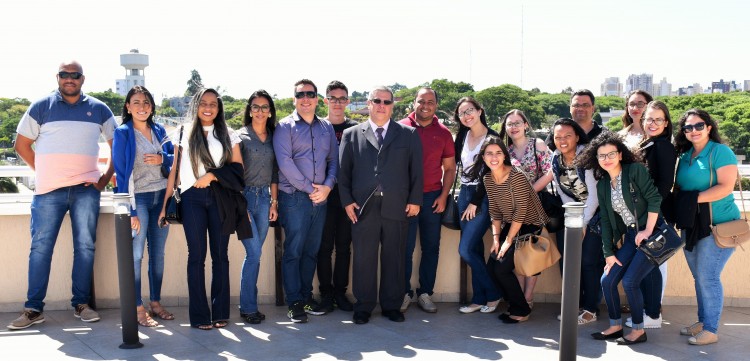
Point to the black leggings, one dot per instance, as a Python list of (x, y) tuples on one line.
[(501, 272)]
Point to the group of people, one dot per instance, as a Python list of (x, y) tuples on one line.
[(364, 190)]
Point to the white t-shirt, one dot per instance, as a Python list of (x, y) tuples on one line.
[(187, 179)]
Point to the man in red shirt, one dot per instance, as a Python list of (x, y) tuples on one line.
[(439, 167)]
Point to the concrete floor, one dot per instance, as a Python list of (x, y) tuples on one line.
[(446, 335)]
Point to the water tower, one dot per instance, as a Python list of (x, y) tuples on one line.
[(134, 63)]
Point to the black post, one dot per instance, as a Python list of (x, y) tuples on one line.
[(278, 247), (124, 240), (571, 284)]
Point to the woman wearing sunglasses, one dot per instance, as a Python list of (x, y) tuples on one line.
[(632, 131), (659, 155), (532, 156), (629, 208), (261, 192), (710, 168)]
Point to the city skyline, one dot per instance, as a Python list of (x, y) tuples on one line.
[(242, 48)]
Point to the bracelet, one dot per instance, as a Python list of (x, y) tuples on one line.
[(274, 201)]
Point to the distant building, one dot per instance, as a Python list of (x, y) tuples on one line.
[(723, 87), (180, 104), (747, 86), (690, 90), (662, 88), (135, 65), (606, 116), (612, 86), (640, 82)]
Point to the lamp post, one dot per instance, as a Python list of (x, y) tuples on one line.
[(124, 241), (571, 280)]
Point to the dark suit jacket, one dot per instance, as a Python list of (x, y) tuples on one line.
[(397, 166)]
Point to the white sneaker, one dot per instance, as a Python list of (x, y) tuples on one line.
[(648, 322), (426, 304), (407, 302)]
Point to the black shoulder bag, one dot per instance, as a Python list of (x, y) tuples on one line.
[(173, 209), (451, 219), (664, 241)]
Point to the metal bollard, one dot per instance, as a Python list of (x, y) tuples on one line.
[(124, 241), (571, 285)]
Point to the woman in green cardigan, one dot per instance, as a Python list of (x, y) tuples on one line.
[(629, 207)]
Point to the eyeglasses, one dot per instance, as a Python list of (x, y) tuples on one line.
[(697, 126), (334, 100), (657, 121), (74, 75), (378, 101), (514, 125), (638, 105), (265, 108), (610, 155), (583, 106), (466, 112), (308, 94)]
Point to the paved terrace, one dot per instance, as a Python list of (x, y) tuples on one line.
[(446, 335)]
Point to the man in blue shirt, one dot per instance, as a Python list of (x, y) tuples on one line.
[(307, 154)]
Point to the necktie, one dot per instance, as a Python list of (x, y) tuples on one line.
[(380, 135)]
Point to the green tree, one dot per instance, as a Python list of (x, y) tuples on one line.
[(7, 185), (735, 127), (114, 101), (11, 111), (167, 112), (499, 100), (194, 84)]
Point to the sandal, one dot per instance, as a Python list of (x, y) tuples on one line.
[(220, 324), (204, 327), (144, 319), (159, 311)]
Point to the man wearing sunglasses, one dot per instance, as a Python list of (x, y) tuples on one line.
[(65, 127), (439, 169), (333, 277), (380, 185), (307, 154)]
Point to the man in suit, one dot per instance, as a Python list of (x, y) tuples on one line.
[(380, 185)]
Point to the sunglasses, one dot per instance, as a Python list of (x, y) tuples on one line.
[(697, 126), (309, 94), (378, 101), (74, 75)]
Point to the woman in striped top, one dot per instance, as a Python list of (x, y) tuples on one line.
[(515, 210)]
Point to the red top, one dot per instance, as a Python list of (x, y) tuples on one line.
[(437, 144)]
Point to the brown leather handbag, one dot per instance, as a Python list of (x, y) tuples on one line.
[(534, 254), (733, 233)]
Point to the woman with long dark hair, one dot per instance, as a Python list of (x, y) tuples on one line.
[(207, 146), (635, 104), (515, 209), (473, 204), (629, 209), (261, 191), (140, 150), (531, 156), (708, 167)]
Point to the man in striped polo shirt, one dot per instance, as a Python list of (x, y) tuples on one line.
[(65, 127)]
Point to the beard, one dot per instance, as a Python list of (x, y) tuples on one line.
[(70, 93)]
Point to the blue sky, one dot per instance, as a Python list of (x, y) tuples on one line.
[(246, 45)]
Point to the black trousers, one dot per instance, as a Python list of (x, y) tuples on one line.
[(336, 232), (374, 239), (501, 272)]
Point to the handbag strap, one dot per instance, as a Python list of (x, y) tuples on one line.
[(179, 156), (455, 183), (710, 184)]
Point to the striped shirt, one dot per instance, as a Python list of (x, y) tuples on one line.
[(66, 138), (514, 200)]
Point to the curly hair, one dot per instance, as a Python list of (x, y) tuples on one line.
[(582, 137), (589, 158), (681, 143)]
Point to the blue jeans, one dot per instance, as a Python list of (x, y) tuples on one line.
[(303, 227), (635, 266), (471, 247), (148, 206), (259, 206), (429, 226), (706, 261), (202, 226), (47, 213)]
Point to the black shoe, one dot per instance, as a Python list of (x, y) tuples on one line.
[(601, 336), (297, 312), (312, 307), (244, 315), (361, 317), (394, 315), (342, 302), (254, 317), (505, 317), (325, 305), (625, 341)]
